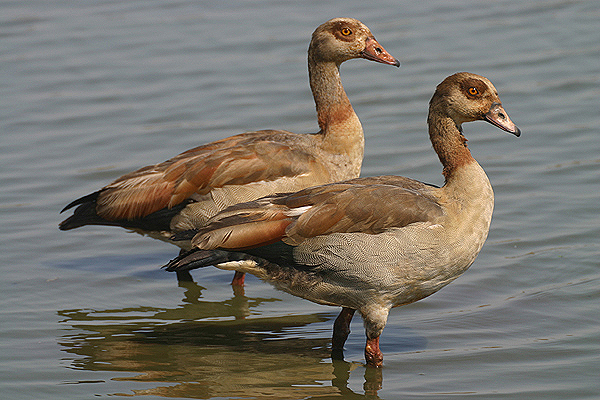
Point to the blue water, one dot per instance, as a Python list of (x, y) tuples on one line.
[(92, 90)]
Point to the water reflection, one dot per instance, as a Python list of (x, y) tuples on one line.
[(197, 350)]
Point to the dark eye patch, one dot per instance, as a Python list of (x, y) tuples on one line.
[(344, 31), (468, 86)]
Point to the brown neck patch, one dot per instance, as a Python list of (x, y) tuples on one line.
[(449, 144)]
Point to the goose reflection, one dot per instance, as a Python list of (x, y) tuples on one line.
[(197, 350), (238, 306)]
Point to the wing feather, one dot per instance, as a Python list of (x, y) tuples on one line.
[(360, 205), (241, 159)]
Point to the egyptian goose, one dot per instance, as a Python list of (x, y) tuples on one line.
[(183, 192), (368, 244)]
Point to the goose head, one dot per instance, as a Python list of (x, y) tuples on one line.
[(466, 97), (342, 39)]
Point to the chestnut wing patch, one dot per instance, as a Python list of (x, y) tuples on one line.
[(358, 205), (237, 160), (371, 208)]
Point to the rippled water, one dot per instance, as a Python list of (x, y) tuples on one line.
[(92, 90)]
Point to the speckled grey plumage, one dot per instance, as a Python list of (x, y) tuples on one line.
[(369, 244)]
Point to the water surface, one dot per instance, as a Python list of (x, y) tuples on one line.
[(90, 91)]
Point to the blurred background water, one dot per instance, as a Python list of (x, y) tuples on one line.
[(92, 90)]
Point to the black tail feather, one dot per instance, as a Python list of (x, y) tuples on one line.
[(272, 256), (90, 198), (84, 214), (196, 258)]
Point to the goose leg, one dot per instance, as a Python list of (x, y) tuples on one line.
[(375, 319), (373, 355), (238, 279), (341, 330)]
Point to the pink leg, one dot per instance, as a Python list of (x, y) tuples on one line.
[(238, 279), (237, 284), (341, 330), (373, 355)]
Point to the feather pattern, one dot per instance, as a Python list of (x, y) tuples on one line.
[(183, 192), (369, 244)]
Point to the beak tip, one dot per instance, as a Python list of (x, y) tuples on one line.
[(498, 117), (375, 52), (517, 132)]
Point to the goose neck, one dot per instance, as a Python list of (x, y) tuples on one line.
[(449, 144), (332, 103)]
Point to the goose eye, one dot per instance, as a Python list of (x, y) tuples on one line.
[(473, 91), (346, 31)]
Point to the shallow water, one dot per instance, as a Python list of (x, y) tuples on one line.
[(90, 91)]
